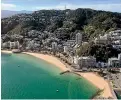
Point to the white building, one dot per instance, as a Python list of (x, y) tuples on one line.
[(102, 39), (75, 60), (66, 49), (54, 46), (115, 62), (69, 46), (78, 38), (113, 37), (14, 45), (70, 43), (87, 61), (119, 58), (116, 42), (115, 33)]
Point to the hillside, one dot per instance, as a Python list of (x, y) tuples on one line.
[(91, 22), (38, 30)]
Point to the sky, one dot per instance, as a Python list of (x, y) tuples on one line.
[(32, 5)]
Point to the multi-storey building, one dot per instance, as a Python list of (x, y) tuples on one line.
[(85, 61), (113, 37), (54, 46), (78, 38), (115, 62), (14, 45)]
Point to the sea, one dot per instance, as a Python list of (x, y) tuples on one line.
[(27, 77)]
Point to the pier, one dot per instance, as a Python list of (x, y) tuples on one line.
[(76, 73), (64, 72)]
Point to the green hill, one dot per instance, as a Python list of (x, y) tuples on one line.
[(90, 21)]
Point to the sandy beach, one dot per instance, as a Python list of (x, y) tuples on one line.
[(5, 51), (50, 59), (96, 80)]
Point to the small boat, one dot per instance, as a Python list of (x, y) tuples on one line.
[(18, 66), (57, 90)]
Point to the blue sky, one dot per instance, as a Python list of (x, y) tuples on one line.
[(31, 5)]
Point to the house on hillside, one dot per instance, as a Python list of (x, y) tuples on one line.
[(115, 62)]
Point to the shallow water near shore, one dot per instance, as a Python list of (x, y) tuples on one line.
[(27, 77)]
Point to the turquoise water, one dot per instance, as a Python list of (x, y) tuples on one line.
[(35, 78), (118, 95)]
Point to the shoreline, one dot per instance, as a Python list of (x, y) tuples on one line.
[(6, 51), (99, 82), (96, 80), (49, 58)]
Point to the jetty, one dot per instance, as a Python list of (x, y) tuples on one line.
[(76, 73), (67, 71)]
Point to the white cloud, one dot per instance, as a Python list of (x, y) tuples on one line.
[(5, 6), (107, 7), (61, 6)]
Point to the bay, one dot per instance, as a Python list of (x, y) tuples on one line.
[(27, 77)]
